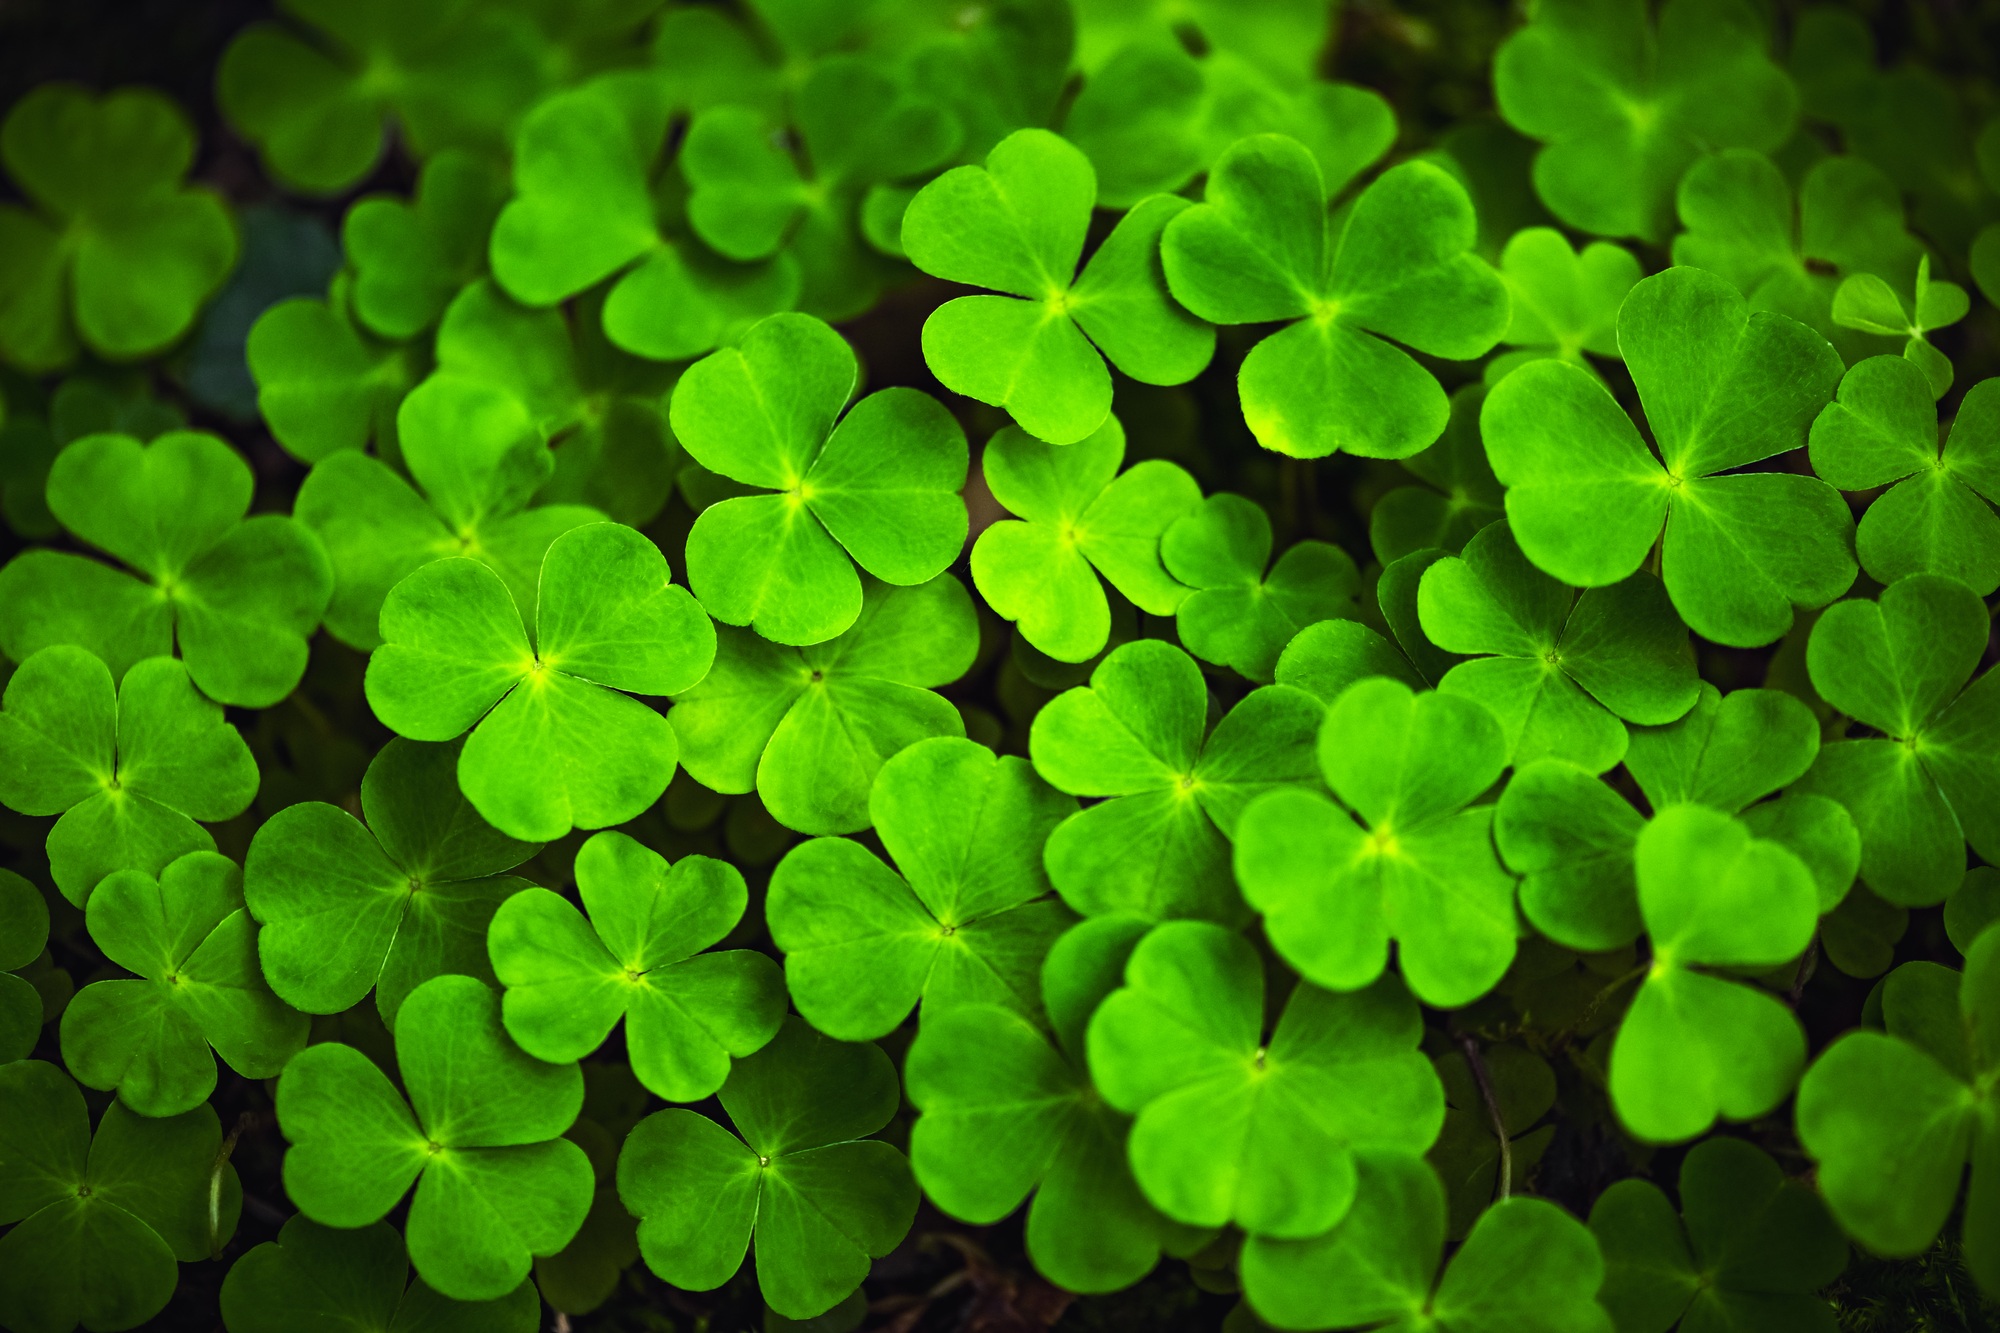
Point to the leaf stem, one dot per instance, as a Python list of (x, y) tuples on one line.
[(1470, 1045), (245, 1121)]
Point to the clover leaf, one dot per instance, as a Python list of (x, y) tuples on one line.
[(878, 487), (1138, 734), (1937, 518), (967, 922), (495, 1184), (345, 906), (1006, 1111), (1565, 301), (1570, 838), (1016, 225), (1404, 858), (24, 933), (1224, 1115), (1723, 387), (1892, 1116), (1564, 669), (585, 211), (323, 385), (1396, 265), (996, 69), (193, 949), (1460, 496), (101, 1220), (239, 595), (809, 728), (323, 1277), (410, 259), (1239, 615), (130, 768), (553, 744), (1694, 1046), (1740, 222), (1749, 1249), (1900, 665), (117, 252), (799, 1177), (638, 956), (1867, 303), (1079, 519), (1623, 107), (1526, 1264)]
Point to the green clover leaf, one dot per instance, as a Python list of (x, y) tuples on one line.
[(1016, 225), (118, 251), (239, 595), (1079, 519), (1239, 615), (345, 906), (638, 956), (1750, 1248), (809, 728), (1138, 734), (1570, 838), (1893, 1116), (966, 922), (1409, 862), (996, 69), (1460, 496), (495, 1185), (130, 768), (1867, 303), (24, 933), (1624, 108), (585, 211), (1900, 665), (1563, 668), (554, 744), (1937, 518), (1004, 1111), (410, 259), (1694, 1046), (1723, 387), (1526, 1264), (323, 385), (1565, 300), (193, 950), (1225, 1115), (1740, 222), (322, 1278), (878, 487), (800, 1177)]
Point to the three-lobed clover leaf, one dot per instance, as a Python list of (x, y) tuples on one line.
[(238, 595), (878, 486), (638, 956), (799, 1177), (1395, 265), (495, 1184), (1937, 517), (1016, 224), (118, 251), (1565, 301), (346, 907), (317, 1278), (1240, 615), (193, 951), (1723, 387), (1401, 857), (1931, 783), (1624, 107), (1225, 1115), (1138, 734), (1749, 1249), (1865, 302), (1563, 669), (967, 921), (809, 728), (130, 767), (24, 933), (101, 1219), (323, 385), (1694, 1046), (1460, 497), (1080, 522), (1527, 1264), (554, 744), (410, 259), (1005, 1111)]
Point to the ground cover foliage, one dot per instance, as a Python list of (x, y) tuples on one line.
[(1050, 663)]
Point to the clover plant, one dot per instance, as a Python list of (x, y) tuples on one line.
[(410, 259), (1565, 301), (1867, 303), (324, 385)]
